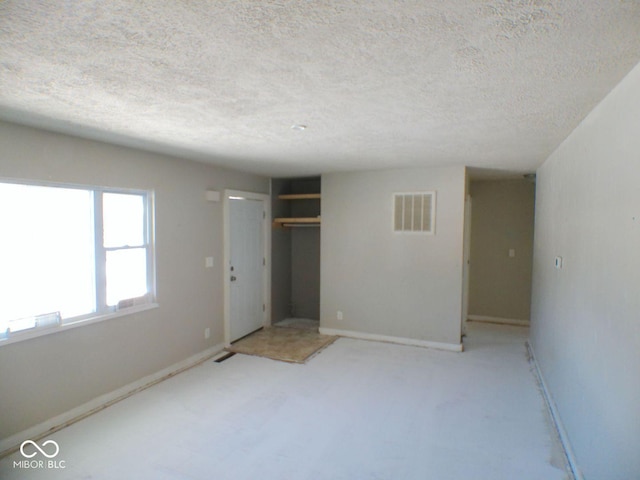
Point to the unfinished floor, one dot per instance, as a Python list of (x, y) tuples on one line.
[(357, 410)]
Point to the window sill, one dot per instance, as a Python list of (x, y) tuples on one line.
[(28, 335)]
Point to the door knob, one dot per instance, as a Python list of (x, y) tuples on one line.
[(233, 278)]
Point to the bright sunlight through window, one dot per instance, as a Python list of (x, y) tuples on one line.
[(125, 245), (69, 254)]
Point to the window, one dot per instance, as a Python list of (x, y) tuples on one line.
[(414, 212), (69, 254)]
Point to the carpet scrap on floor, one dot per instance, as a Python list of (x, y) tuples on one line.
[(293, 345)]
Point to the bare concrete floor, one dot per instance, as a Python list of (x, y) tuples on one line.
[(357, 410)]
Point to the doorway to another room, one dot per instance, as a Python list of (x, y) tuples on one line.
[(501, 251)]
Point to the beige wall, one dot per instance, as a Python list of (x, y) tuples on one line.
[(502, 219), (585, 317), (46, 376), (385, 283)]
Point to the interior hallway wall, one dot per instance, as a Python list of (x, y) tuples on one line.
[(305, 272), (501, 220), (49, 375), (385, 283), (305, 253), (585, 326), (280, 254)]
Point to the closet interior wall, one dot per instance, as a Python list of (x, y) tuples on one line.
[(296, 253)]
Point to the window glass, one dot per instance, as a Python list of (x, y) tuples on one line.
[(52, 266), (126, 274), (123, 219), (46, 253)]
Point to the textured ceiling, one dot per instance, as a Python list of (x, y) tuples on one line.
[(494, 84)]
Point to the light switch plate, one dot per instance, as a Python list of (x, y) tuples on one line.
[(208, 262)]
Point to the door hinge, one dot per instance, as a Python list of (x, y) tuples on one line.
[(264, 261), (264, 215), (264, 307)]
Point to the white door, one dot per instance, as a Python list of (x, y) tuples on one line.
[(246, 267)]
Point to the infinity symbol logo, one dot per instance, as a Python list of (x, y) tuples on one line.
[(31, 442)]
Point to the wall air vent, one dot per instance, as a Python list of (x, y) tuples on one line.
[(415, 212)]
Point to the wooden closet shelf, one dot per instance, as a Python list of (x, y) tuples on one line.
[(297, 220), (299, 196)]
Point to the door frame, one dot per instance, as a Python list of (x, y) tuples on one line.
[(466, 264), (266, 245)]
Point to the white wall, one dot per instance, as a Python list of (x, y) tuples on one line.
[(385, 283), (586, 316), (46, 376)]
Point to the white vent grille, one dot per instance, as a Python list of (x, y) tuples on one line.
[(414, 212)]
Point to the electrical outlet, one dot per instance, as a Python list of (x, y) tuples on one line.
[(207, 333), (339, 315)]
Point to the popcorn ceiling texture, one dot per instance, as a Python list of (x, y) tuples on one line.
[(495, 84)]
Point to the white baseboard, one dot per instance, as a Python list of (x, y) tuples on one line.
[(555, 415), (503, 321), (452, 347), (11, 444)]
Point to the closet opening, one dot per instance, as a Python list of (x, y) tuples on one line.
[(295, 243)]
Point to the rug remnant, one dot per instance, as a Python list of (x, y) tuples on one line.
[(293, 345)]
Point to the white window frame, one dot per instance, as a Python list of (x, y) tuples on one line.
[(102, 310)]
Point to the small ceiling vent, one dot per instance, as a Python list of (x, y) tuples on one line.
[(414, 212)]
